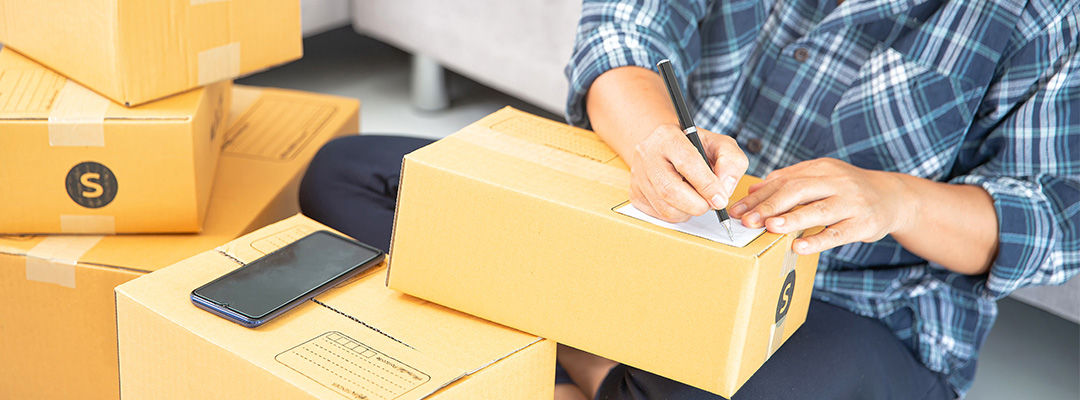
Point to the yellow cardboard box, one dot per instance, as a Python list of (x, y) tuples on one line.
[(76, 162), (58, 324), (135, 51), (359, 340), (511, 219)]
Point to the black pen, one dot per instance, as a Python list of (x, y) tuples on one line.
[(687, 125)]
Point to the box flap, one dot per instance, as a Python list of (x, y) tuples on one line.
[(425, 346), (30, 91)]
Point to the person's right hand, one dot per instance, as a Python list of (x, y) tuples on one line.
[(670, 181)]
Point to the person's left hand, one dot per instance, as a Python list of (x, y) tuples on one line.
[(855, 204)]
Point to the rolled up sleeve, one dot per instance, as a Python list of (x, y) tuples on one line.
[(1038, 224), (614, 34), (1033, 176)]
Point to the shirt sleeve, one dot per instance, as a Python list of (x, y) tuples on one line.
[(1033, 166), (620, 33)]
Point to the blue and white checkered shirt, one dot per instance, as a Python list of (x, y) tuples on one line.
[(978, 92)]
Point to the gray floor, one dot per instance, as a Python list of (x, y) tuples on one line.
[(1030, 354)]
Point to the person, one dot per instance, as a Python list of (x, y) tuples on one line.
[(936, 142)]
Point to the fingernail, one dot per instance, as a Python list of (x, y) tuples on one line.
[(753, 219), (718, 202), (778, 221), (801, 245), (729, 185), (738, 208)]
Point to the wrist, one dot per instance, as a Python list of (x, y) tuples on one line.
[(907, 203)]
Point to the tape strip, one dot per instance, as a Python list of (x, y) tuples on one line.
[(198, 2), (550, 157), (77, 117), (88, 224), (53, 260), (776, 332), (219, 63)]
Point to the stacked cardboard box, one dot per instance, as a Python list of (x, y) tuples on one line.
[(359, 340), (91, 165), (83, 164), (113, 120), (513, 219), (59, 323), (136, 51)]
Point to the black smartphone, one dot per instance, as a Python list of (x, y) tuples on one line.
[(281, 280)]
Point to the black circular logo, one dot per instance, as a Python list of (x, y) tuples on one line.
[(91, 185)]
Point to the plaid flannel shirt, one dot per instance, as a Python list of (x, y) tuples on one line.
[(977, 92)]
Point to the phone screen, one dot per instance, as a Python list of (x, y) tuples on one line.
[(275, 280)]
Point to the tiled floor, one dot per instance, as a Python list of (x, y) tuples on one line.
[(1030, 354)]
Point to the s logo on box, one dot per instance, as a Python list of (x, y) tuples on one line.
[(786, 292), (91, 185)]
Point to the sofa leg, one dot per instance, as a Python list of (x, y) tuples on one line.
[(429, 92)]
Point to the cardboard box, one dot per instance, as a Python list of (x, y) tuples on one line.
[(58, 322), (511, 219), (135, 51), (359, 340), (78, 163)]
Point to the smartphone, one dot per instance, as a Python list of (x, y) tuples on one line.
[(281, 280)]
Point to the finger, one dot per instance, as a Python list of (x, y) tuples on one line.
[(790, 193), (753, 188), (641, 203), (741, 209), (726, 156), (650, 203), (688, 163), (772, 177), (795, 169), (664, 211), (834, 235), (673, 191), (822, 212)]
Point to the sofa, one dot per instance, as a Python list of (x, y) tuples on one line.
[(518, 47)]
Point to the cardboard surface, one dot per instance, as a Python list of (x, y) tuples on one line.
[(82, 164), (135, 51), (59, 320), (512, 219), (358, 340)]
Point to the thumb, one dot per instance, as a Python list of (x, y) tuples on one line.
[(729, 161)]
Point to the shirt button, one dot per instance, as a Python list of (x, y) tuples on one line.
[(753, 146), (801, 54)]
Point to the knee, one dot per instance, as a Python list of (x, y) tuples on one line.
[(354, 163), (356, 155), (337, 155), (330, 167)]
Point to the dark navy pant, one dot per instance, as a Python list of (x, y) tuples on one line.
[(352, 186)]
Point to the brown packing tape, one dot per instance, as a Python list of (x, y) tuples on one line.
[(219, 63), (776, 331), (88, 224), (77, 117), (53, 259)]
